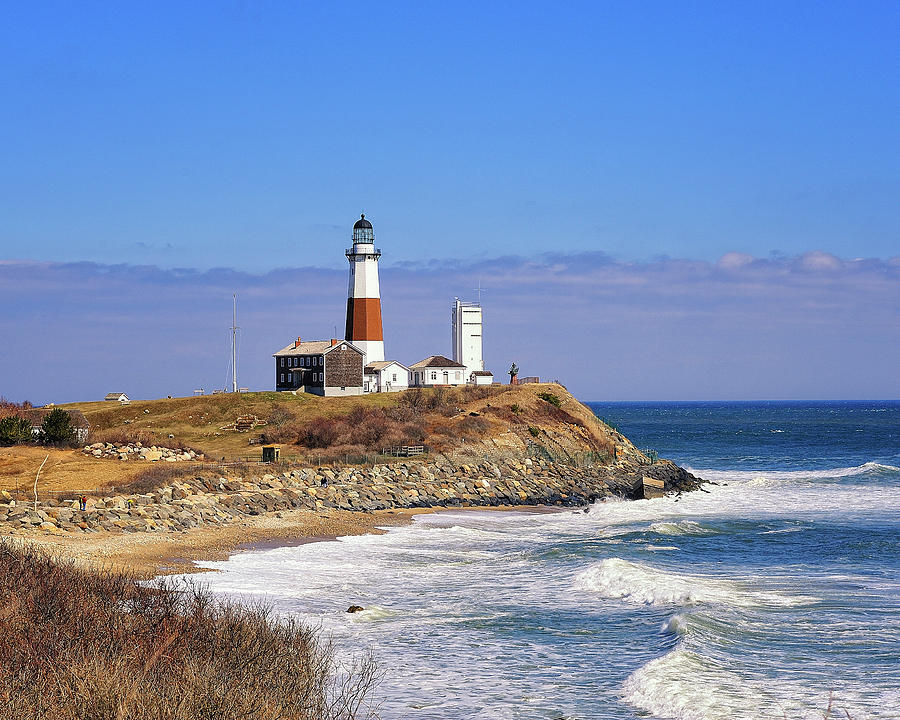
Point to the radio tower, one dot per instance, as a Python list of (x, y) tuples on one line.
[(234, 329)]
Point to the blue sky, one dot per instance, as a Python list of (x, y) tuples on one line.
[(139, 139)]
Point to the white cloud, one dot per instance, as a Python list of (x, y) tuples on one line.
[(809, 326)]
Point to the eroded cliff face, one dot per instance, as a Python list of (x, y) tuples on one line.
[(545, 422)]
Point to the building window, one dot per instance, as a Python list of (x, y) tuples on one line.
[(282, 362), (394, 377), (282, 378), (433, 375), (457, 375)]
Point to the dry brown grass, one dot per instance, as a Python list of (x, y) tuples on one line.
[(65, 471), (80, 643)]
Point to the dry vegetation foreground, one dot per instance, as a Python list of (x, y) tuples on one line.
[(88, 643)]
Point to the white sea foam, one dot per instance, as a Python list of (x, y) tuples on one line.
[(642, 584)]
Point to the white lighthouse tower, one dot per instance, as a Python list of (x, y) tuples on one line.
[(364, 296), (466, 321)]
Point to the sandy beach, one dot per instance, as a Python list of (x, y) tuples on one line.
[(151, 554), (148, 555)]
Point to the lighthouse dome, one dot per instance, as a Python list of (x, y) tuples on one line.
[(363, 232), (362, 223)]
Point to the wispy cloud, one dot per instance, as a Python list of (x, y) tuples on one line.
[(813, 325)]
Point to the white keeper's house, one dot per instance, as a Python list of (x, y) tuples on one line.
[(437, 370), (386, 376)]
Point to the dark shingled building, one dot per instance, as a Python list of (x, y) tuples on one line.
[(321, 367)]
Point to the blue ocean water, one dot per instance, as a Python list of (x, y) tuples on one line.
[(770, 594)]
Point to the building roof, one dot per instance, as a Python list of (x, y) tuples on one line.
[(36, 417), (113, 396), (313, 347), (483, 373), (382, 364), (436, 361), (362, 223)]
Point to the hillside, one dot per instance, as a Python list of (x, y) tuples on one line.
[(488, 423)]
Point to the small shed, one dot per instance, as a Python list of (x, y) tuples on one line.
[(271, 453), (482, 377), (119, 397)]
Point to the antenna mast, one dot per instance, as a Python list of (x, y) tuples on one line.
[(234, 329), (479, 290)]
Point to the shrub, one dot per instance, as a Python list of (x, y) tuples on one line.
[(550, 398), (57, 428), (287, 432), (534, 431), (120, 436), (473, 426), (369, 429), (8, 408), (320, 433), (515, 409), (14, 430), (279, 416), (79, 643), (414, 398)]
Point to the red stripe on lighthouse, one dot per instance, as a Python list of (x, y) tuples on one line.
[(363, 319)]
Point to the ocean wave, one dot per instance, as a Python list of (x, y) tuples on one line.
[(640, 584), (676, 625), (764, 476), (686, 686), (681, 527)]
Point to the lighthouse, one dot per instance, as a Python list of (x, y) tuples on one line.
[(364, 297)]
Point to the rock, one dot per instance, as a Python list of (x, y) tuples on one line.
[(652, 487), (355, 609)]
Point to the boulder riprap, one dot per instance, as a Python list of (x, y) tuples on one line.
[(204, 501), (138, 451)]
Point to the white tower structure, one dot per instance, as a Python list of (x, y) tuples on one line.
[(466, 318), (364, 296)]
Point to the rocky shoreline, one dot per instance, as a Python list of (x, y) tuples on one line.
[(214, 502)]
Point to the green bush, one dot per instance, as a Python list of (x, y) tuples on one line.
[(550, 398), (14, 430), (534, 431), (515, 408), (57, 428)]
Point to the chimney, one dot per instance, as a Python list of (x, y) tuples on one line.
[(334, 342), (297, 344)]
